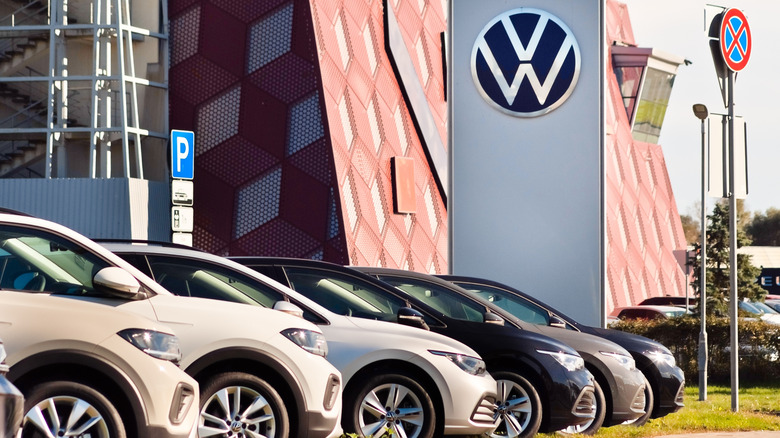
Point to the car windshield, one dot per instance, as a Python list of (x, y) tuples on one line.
[(749, 307), (763, 307)]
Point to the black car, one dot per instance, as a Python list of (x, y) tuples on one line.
[(525, 363), (666, 379)]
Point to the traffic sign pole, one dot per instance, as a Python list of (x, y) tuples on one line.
[(182, 172), (735, 42), (734, 297)]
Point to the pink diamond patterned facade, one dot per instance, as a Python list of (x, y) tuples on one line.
[(298, 112), (643, 225)]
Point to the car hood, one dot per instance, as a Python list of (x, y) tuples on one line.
[(21, 314), (404, 335), (630, 341), (582, 342), (205, 325)]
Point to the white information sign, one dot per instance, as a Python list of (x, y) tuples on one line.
[(182, 219), (181, 192)]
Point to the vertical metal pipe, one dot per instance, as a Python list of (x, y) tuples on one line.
[(734, 297), (703, 352)]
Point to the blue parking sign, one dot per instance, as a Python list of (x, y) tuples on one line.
[(182, 154)]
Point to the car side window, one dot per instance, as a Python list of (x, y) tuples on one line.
[(195, 278), (440, 298), (39, 261), (517, 306), (342, 294)]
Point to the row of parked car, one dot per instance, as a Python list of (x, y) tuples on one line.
[(129, 339)]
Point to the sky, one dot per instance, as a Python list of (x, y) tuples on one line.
[(678, 27)]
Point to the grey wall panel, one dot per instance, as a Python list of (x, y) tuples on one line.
[(101, 208), (526, 199)]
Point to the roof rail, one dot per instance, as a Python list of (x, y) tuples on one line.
[(16, 212), (146, 242)]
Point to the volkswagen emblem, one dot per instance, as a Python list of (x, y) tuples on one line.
[(525, 62)]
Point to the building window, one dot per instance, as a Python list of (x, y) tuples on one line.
[(645, 77)]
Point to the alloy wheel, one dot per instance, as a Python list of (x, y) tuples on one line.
[(64, 416), (238, 412), (391, 409), (513, 410)]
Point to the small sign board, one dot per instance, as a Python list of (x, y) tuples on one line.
[(181, 192), (182, 238), (736, 41), (182, 219)]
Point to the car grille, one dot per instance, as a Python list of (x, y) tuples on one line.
[(483, 413), (585, 406), (680, 395), (639, 402)]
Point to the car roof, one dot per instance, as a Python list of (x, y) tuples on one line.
[(183, 251)]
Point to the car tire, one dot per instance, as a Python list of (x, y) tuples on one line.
[(591, 427), (225, 402), (48, 408), (649, 403), (518, 409), (368, 414)]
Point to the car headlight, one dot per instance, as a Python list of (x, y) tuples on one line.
[(571, 362), (626, 361), (662, 357), (156, 344), (309, 340), (470, 364)]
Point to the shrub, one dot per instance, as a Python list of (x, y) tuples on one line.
[(759, 345)]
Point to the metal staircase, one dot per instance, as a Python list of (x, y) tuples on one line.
[(67, 122)]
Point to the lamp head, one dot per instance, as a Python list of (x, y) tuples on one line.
[(700, 110)]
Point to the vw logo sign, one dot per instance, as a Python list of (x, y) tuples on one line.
[(525, 62)]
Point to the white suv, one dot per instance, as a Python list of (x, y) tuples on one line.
[(261, 372), (87, 369), (397, 379)]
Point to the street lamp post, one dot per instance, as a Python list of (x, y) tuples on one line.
[(700, 110)]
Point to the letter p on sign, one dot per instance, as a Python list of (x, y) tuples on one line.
[(182, 154)]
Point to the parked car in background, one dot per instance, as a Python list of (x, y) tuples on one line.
[(774, 304), (11, 402), (675, 301), (258, 370), (401, 380), (759, 310), (648, 312), (654, 360), (542, 383), (90, 370)]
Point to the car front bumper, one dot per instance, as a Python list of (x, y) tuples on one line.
[(11, 408)]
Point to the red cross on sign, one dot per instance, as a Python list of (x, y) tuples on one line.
[(735, 39)]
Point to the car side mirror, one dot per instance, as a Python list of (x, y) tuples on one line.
[(116, 282), (556, 321), (288, 307), (492, 318), (412, 317)]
